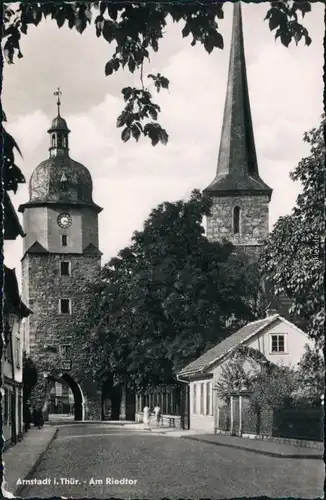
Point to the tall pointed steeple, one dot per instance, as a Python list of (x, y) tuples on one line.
[(237, 168)]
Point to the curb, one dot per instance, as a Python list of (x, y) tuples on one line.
[(259, 452), (20, 488)]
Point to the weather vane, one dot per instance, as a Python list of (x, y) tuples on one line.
[(58, 93)]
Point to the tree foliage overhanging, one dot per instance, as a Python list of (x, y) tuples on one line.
[(294, 253), (164, 299), (135, 30)]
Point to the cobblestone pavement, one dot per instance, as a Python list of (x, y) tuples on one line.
[(85, 461)]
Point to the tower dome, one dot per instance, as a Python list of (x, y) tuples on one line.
[(60, 179)]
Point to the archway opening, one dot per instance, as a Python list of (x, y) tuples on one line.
[(66, 399), (111, 400)]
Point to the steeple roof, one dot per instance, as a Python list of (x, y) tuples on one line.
[(60, 180), (237, 168)]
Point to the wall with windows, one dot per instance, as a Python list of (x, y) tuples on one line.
[(202, 405), (12, 391), (282, 343)]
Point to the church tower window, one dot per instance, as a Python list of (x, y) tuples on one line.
[(65, 306), (64, 240), (236, 220), (63, 183), (65, 268), (53, 140)]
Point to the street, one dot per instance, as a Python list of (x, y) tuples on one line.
[(86, 460)]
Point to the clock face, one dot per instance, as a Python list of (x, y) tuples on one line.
[(64, 220)]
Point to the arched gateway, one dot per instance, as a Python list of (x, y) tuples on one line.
[(60, 255)]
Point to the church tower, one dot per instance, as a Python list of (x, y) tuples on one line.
[(60, 255), (240, 210)]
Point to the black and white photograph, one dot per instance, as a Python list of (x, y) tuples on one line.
[(163, 221)]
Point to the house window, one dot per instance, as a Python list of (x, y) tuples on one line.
[(64, 268), (208, 398), (65, 306), (236, 220), (277, 343), (64, 240), (202, 398), (17, 353), (194, 399), (6, 407)]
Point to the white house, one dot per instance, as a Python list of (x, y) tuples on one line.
[(279, 340)]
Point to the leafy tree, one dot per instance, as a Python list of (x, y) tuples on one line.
[(311, 376), (272, 386), (135, 29), (269, 385), (163, 300), (294, 253)]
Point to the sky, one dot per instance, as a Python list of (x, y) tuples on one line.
[(285, 86)]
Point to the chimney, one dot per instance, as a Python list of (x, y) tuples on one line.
[(271, 312)]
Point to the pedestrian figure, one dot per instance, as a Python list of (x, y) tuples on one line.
[(146, 418), (157, 413), (27, 417), (40, 419), (35, 417)]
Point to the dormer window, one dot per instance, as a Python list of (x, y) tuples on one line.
[(236, 220), (63, 183)]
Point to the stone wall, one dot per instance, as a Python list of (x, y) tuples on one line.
[(254, 219), (43, 287)]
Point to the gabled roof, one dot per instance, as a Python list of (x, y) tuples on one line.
[(220, 350), (91, 249), (36, 247), (13, 302), (12, 226)]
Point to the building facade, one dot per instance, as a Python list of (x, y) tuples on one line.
[(61, 254), (278, 340), (15, 313)]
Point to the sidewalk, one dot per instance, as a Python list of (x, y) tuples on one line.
[(261, 447), (122, 423), (21, 459)]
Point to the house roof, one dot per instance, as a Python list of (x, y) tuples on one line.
[(13, 302), (220, 350), (12, 226)]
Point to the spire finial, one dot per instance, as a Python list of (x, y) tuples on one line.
[(58, 93)]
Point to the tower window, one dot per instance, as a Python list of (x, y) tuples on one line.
[(236, 220), (53, 140), (65, 306), (64, 268), (64, 240), (59, 140), (63, 182)]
